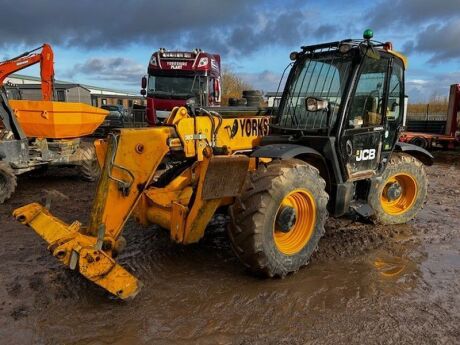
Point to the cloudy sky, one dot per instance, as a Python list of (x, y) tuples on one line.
[(108, 43)]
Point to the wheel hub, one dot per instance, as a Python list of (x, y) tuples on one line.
[(394, 191), (286, 219)]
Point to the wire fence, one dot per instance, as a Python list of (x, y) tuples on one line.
[(427, 116)]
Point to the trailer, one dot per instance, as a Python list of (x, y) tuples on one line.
[(432, 134)]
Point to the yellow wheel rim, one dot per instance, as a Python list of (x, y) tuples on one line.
[(407, 190), (295, 239)]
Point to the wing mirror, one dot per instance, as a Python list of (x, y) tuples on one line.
[(143, 86), (316, 104), (190, 104)]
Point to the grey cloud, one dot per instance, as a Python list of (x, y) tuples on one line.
[(116, 69), (265, 80), (424, 88), (229, 26), (441, 41), (410, 12), (408, 47), (326, 30)]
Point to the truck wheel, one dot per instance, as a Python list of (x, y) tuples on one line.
[(279, 218), (8, 182), (400, 193), (88, 168), (420, 141)]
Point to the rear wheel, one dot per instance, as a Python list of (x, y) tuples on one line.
[(8, 182), (401, 192), (279, 218), (88, 168)]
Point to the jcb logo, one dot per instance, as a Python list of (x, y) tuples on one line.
[(365, 155)]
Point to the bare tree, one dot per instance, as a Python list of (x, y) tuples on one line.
[(232, 86)]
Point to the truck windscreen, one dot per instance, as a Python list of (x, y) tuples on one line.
[(174, 86)]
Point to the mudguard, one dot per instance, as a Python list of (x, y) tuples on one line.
[(418, 152), (284, 151)]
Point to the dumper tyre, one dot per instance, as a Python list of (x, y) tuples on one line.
[(398, 195), (278, 220), (8, 181), (88, 166)]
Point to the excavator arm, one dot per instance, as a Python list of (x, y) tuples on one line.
[(46, 60)]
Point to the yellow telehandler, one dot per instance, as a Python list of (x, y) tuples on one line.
[(330, 148)]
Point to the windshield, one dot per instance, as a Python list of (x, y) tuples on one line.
[(111, 107), (322, 77), (180, 86)]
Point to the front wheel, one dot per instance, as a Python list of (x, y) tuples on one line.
[(400, 193), (8, 182), (88, 167), (279, 218)]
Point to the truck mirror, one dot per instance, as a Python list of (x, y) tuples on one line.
[(143, 92), (143, 82), (315, 104)]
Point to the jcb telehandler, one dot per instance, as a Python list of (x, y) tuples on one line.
[(332, 149)]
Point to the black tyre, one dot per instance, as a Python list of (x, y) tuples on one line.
[(251, 93), (8, 182), (88, 167), (420, 141), (278, 220), (241, 102), (401, 192)]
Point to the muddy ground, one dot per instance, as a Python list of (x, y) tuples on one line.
[(365, 285)]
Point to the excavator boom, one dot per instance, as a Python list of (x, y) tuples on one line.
[(46, 60)]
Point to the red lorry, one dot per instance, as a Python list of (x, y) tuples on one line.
[(432, 135), (175, 76)]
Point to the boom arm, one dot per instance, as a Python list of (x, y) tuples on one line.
[(46, 59), (215, 172)]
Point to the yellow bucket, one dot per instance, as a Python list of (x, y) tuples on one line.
[(57, 120)]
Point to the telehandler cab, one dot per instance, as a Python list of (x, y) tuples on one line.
[(332, 149)]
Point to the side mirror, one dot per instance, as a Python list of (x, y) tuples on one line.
[(315, 104), (143, 92), (190, 104), (143, 82)]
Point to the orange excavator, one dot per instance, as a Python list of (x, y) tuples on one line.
[(37, 134), (46, 60)]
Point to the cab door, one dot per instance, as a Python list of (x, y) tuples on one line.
[(361, 142)]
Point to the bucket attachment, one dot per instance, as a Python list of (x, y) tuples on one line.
[(88, 254)]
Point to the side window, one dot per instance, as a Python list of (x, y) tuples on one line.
[(394, 109), (60, 95), (365, 110)]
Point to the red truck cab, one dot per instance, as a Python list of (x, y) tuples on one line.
[(175, 76)]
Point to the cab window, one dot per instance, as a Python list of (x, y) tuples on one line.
[(366, 105)]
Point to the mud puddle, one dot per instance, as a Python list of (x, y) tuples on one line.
[(365, 284)]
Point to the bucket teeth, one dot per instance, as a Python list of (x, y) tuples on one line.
[(78, 251)]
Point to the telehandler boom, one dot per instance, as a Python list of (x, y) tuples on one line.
[(332, 149)]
